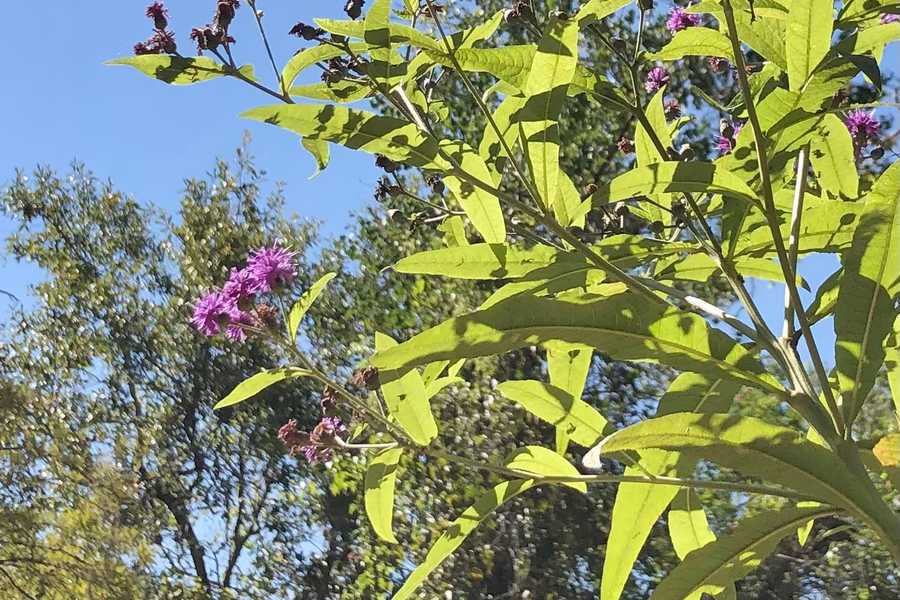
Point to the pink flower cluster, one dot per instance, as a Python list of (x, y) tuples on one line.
[(228, 308), (680, 19)]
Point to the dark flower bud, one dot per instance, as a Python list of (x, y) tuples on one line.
[(437, 186), (625, 145), (307, 32), (158, 13), (384, 190), (329, 399), (686, 152), (383, 162), (717, 64), (267, 315), (590, 189), (672, 109), (366, 378), (877, 153), (353, 8), (225, 10)]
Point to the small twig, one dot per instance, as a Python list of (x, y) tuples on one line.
[(262, 33)]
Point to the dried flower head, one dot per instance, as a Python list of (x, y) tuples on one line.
[(625, 145), (353, 8), (307, 32), (366, 378), (157, 11), (717, 64), (672, 109)]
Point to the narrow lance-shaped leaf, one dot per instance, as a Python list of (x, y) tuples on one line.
[(892, 363), (595, 10), (808, 38), (491, 149), (178, 70), (308, 57), (302, 305), (548, 81), (544, 462), (625, 326), (377, 34), (381, 478), (456, 534), (568, 366), (257, 383), (406, 399), (864, 313), (553, 405), (689, 530), (320, 152), (481, 205), (639, 506), (695, 41), (833, 160), (717, 565)]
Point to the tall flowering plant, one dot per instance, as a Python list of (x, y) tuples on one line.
[(783, 183)]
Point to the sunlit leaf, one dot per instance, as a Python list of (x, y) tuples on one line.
[(673, 177), (595, 10), (695, 41), (833, 159), (178, 70), (302, 305), (406, 399), (257, 383), (567, 365), (808, 38), (381, 477), (543, 462)]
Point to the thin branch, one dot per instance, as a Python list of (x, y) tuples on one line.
[(262, 33), (787, 332)]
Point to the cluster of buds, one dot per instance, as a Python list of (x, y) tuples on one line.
[(353, 8), (728, 133), (384, 190), (519, 11), (162, 41), (386, 164), (317, 445), (231, 309), (657, 79), (215, 34), (306, 32)]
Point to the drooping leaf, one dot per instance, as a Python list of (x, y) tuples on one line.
[(689, 530), (481, 206), (673, 177), (808, 38), (833, 160), (381, 477), (451, 539), (178, 70), (568, 366), (554, 406), (625, 326), (645, 150), (639, 506), (308, 57), (406, 399), (257, 383), (552, 70), (695, 41), (544, 462), (715, 566), (302, 305), (320, 151), (864, 313)]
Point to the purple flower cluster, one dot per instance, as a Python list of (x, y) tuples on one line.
[(889, 18), (863, 128), (316, 446), (728, 136), (657, 79), (680, 19), (228, 309)]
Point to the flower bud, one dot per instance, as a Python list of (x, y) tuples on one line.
[(353, 8)]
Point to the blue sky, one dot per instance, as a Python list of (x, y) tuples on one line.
[(62, 103)]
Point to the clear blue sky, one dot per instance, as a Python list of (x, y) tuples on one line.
[(61, 103)]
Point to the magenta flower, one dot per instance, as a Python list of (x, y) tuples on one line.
[(213, 312), (272, 267), (241, 287), (862, 125), (680, 19), (316, 446), (657, 79), (728, 139), (235, 330), (889, 18)]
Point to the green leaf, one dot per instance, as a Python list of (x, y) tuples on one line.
[(673, 177), (406, 399), (826, 298), (625, 326), (695, 41), (308, 57), (689, 530), (320, 151), (765, 36), (756, 449), (556, 406), (568, 366), (343, 92), (454, 231), (639, 506), (381, 477), (178, 70), (644, 149), (700, 267), (717, 565), (487, 261), (451, 539), (864, 313), (543, 462), (833, 159), (257, 383), (397, 139), (808, 38), (892, 363), (298, 311), (490, 148), (595, 10), (481, 206), (552, 70), (400, 34), (870, 39), (377, 34)]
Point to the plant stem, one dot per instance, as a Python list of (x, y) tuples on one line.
[(787, 332), (770, 213), (262, 34)]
